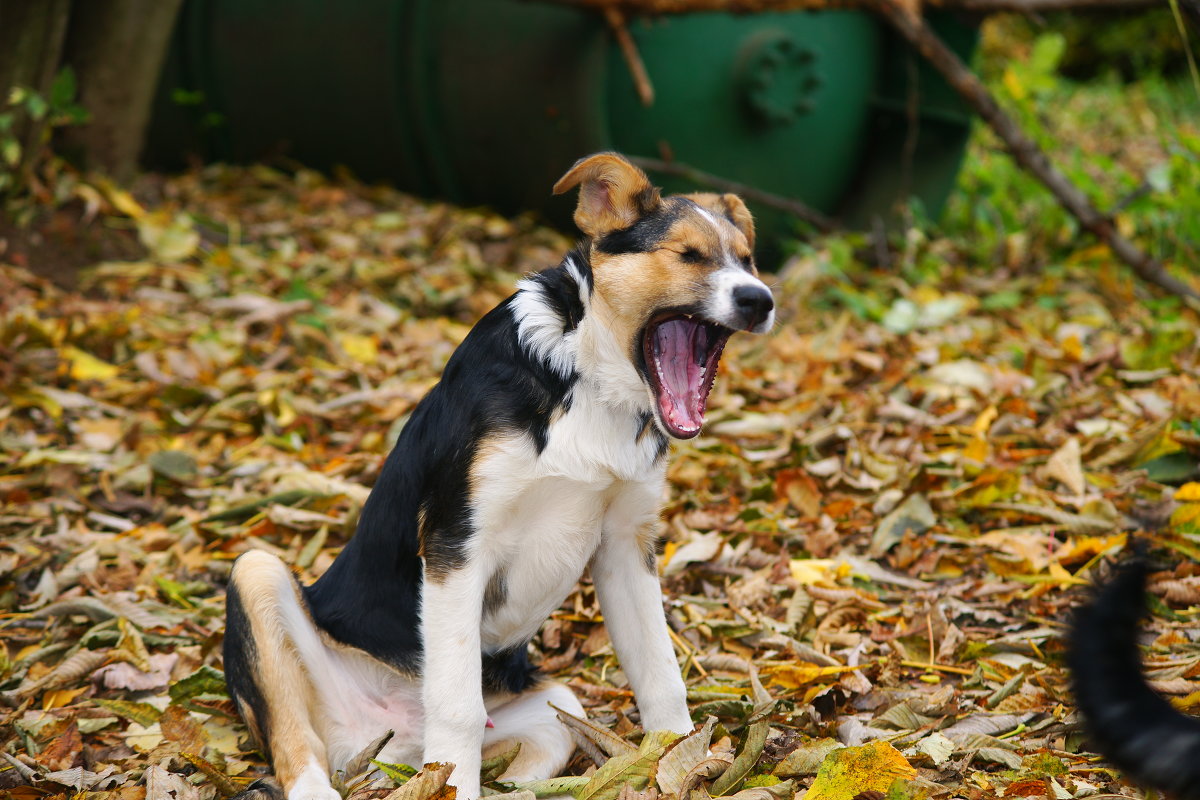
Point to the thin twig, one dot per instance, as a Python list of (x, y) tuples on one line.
[(938, 667), (633, 59), (1183, 34), (701, 178)]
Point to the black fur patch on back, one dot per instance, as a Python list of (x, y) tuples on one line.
[(1128, 722), (491, 385)]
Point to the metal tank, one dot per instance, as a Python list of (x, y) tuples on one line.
[(490, 101)]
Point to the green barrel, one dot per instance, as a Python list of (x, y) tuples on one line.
[(490, 101)]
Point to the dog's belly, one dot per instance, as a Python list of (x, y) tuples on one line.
[(361, 699)]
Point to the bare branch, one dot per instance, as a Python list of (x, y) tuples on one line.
[(700, 178)]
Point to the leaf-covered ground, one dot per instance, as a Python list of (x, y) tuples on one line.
[(897, 499)]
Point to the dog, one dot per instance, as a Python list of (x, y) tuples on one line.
[(540, 453), (1126, 721)]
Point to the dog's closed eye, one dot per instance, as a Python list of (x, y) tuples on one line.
[(692, 256)]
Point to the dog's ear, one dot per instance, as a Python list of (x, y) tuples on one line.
[(613, 194), (739, 215)]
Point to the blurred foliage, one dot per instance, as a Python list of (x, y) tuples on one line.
[(28, 119), (1129, 43), (1131, 144)]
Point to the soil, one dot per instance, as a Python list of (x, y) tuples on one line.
[(58, 244)]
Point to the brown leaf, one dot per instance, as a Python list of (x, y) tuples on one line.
[(1066, 467), (64, 751), (428, 784), (179, 727)]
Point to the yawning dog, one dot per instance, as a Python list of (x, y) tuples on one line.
[(541, 453)]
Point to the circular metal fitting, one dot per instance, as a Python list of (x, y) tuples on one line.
[(777, 77)]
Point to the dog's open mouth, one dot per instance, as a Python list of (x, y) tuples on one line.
[(682, 354)]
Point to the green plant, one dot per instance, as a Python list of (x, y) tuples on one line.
[(27, 121)]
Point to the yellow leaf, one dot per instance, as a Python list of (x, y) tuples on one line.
[(26, 651), (1084, 547), (1185, 703), (363, 349), (1060, 575), (36, 399), (1126, 225), (1013, 84), (1188, 513), (814, 691), (984, 421), (808, 571), (852, 770), (793, 676), (925, 294), (86, 367), (976, 450), (168, 238), (122, 200), (1072, 348), (668, 550), (57, 698), (1188, 493)]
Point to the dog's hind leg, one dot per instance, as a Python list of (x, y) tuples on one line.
[(546, 744), (267, 635)]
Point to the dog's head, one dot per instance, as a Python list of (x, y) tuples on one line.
[(673, 277)]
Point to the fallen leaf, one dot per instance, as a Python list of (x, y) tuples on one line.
[(1066, 467), (846, 772)]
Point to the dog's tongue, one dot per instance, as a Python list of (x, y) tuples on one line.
[(680, 348)]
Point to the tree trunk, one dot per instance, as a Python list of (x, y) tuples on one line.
[(31, 40), (116, 48)]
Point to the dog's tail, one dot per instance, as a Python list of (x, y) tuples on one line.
[(1127, 721)]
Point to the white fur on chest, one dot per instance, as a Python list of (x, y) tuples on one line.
[(540, 517)]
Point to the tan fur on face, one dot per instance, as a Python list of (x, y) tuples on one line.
[(632, 288), (732, 208)]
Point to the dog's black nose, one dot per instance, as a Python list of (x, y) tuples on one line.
[(753, 303)]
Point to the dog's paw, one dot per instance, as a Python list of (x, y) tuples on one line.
[(311, 787), (313, 793)]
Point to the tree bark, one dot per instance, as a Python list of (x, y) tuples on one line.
[(117, 49), (31, 41)]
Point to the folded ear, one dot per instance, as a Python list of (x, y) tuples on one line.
[(613, 194), (739, 215)]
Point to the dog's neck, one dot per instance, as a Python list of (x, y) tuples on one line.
[(568, 327)]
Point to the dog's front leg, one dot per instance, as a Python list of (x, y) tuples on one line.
[(631, 599), (452, 684)]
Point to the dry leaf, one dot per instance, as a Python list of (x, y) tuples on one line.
[(846, 772)]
